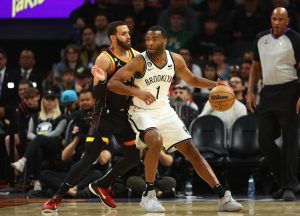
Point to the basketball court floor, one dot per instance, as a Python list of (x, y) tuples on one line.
[(175, 207)]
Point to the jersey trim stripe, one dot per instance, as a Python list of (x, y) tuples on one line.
[(166, 60), (172, 60), (174, 145), (112, 61), (119, 57)]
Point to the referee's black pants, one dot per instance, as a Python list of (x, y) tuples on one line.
[(277, 116)]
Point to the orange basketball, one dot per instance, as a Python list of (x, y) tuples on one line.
[(221, 98)]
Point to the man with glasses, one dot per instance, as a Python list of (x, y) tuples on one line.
[(183, 104)]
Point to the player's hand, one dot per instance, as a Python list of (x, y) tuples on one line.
[(147, 97), (98, 73), (251, 101), (220, 82), (298, 106)]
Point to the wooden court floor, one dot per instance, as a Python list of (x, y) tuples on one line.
[(176, 207)]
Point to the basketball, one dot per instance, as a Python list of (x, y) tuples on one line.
[(221, 98)]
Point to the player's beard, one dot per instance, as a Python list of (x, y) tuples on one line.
[(124, 45)]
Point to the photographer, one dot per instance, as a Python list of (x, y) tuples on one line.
[(182, 103)]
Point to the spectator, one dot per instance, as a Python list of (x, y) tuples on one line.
[(249, 20), (237, 84), (68, 100), (229, 116), (27, 69), (178, 36), (219, 58), (89, 49), (28, 107), (190, 16), (70, 61), (101, 24), (222, 19), (144, 17), (194, 68), (8, 90), (82, 80), (136, 37), (210, 72), (182, 103), (45, 132), (68, 80)]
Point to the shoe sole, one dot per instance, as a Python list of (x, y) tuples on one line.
[(96, 194), (48, 211), (160, 211), (231, 210)]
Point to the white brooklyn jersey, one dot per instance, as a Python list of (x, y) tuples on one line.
[(155, 80)]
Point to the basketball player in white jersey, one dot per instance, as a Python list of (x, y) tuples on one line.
[(155, 121)]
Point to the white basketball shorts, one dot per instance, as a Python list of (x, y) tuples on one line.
[(169, 125)]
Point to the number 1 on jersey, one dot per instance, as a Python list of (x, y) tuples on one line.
[(157, 93)]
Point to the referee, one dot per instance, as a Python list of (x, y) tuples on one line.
[(277, 58)]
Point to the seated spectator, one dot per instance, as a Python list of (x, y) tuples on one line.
[(182, 103), (8, 95), (101, 23), (210, 72), (83, 80), (229, 116), (136, 37), (75, 149), (237, 84), (194, 68), (28, 107), (164, 184), (68, 80), (27, 69), (219, 58), (68, 99), (89, 50), (70, 61), (178, 36), (190, 16), (45, 132)]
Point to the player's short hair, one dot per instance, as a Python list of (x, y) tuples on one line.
[(159, 28), (112, 27)]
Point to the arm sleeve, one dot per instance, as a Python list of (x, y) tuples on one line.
[(30, 133), (255, 49), (295, 40), (60, 128)]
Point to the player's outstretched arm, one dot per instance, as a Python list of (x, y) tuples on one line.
[(184, 73), (116, 83)]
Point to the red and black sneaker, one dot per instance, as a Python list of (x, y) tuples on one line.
[(104, 194), (52, 204)]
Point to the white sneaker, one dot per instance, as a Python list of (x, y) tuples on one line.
[(19, 165), (228, 204), (37, 185), (150, 202)]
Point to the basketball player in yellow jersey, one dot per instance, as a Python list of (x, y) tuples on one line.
[(109, 118), (153, 119)]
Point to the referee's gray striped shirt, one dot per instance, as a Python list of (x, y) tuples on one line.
[(278, 56)]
